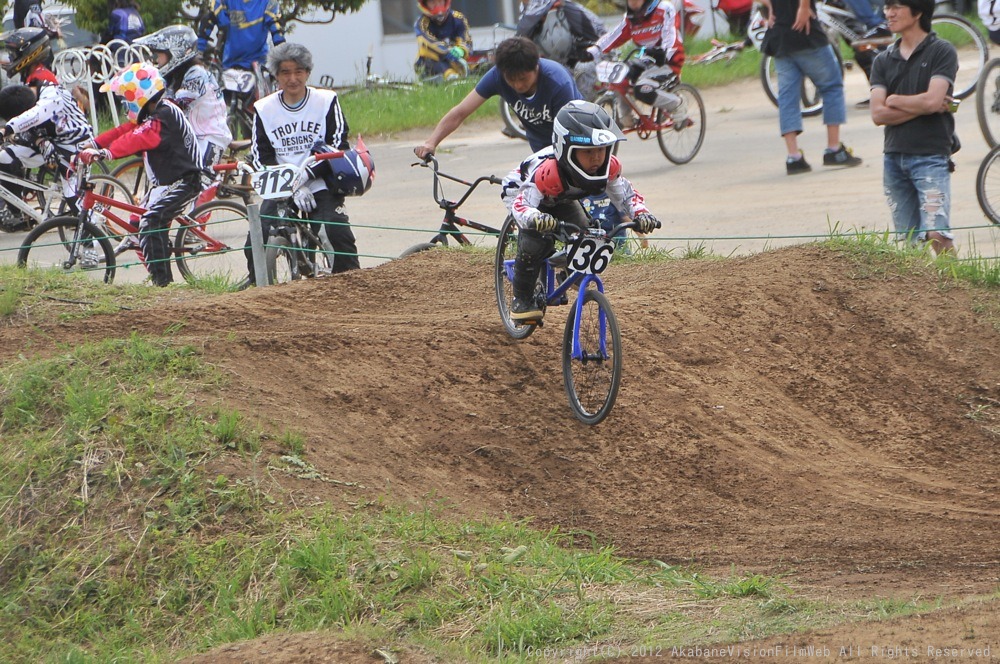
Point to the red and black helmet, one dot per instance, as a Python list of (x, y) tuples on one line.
[(438, 14)]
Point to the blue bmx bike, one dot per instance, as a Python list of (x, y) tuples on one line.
[(592, 344)]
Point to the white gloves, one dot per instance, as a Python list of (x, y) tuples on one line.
[(304, 200)]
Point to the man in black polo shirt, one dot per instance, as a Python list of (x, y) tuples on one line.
[(912, 83)]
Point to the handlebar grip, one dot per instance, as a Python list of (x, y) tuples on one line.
[(323, 156), (230, 166)]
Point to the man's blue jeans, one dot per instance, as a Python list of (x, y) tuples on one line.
[(821, 67), (918, 190)]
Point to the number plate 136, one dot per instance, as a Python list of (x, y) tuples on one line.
[(590, 255)]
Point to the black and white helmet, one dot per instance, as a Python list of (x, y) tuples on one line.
[(26, 47), (179, 41), (580, 125)]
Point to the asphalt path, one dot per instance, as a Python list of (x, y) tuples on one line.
[(734, 198)]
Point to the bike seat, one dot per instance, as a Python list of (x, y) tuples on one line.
[(240, 146)]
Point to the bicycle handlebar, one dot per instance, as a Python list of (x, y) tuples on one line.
[(431, 162)]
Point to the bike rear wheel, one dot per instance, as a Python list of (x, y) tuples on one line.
[(87, 252), (506, 251), (988, 102), (973, 51), (812, 103), (512, 123), (988, 185), (681, 141), (418, 248), (592, 378), (132, 174), (210, 251)]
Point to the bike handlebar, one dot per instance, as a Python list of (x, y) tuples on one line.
[(431, 162)]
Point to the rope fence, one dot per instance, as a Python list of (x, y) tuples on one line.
[(126, 241)]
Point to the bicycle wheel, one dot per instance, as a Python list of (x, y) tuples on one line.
[(132, 174), (280, 261), (506, 251), (812, 103), (211, 250), (988, 102), (681, 140), (418, 248), (87, 250), (988, 185), (512, 123), (593, 376), (973, 51)]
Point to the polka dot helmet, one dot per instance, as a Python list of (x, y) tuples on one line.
[(136, 84)]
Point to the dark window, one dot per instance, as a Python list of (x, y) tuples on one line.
[(398, 16)]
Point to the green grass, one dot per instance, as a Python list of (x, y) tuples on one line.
[(123, 541)]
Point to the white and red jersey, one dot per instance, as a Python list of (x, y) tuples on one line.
[(524, 198), (659, 29)]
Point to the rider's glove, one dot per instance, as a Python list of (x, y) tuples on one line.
[(301, 178), (592, 53), (91, 155), (304, 200), (543, 222), (456, 52), (646, 223)]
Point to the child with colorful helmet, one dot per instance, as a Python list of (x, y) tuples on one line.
[(443, 41), (192, 87), (157, 129), (547, 188)]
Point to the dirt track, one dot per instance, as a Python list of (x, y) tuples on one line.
[(786, 413)]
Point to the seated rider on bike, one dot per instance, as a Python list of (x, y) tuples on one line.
[(44, 125), (989, 12), (192, 87), (547, 188), (246, 25), (292, 123), (653, 26), (443, 41), (29, 54), (158, 130)]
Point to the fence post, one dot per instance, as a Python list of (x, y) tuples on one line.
[(257, 245)]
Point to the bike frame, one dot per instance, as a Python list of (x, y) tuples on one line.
[(647, 120), (555, 291), (21, 204), (452, 221)]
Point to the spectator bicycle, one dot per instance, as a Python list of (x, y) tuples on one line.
[(988, 185), (450, 225), (988, 102), (679, 138), (295, 247), (843, 27), (592, 345), (207, 242)]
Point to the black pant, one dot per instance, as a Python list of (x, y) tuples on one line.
[(154, 239), (534, 247)]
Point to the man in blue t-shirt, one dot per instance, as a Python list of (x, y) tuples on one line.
[(534, 87)]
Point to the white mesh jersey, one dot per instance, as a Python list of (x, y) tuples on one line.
[(201, 98), (285, 135)]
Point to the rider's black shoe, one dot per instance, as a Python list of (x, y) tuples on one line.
[(525, 310), (12, 221)]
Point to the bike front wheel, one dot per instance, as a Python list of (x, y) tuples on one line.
[(208, 247), (681, 139), (988, 185), (988, 102), (503, 274), (281, 265), (592, 370), (66, 244), (973, 51)]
